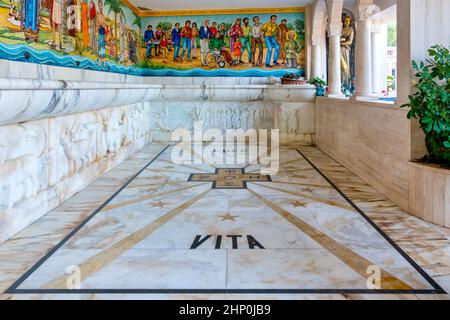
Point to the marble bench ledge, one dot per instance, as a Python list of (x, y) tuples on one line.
[(29, 99), (34, 84), (26, 99), (238, 93)]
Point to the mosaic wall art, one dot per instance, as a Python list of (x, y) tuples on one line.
[(114, 36)]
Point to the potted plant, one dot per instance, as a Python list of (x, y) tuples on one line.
[(320, 86), (431, 104), (429, 178), (292, 78)]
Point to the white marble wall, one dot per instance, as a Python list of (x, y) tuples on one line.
[(44, 162)]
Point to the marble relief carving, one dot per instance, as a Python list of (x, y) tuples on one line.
[(22, 158), (45, 161), (294, 120)]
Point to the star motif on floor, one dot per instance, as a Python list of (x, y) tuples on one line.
[(297, 204), (228, 216), (157, 204)]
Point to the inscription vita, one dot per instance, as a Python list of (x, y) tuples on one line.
[(251, 241)]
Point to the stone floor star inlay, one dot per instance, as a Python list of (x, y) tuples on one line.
[(227, 178)]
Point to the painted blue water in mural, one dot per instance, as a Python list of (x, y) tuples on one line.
[(24, 53)]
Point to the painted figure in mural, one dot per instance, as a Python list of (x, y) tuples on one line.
[(218, 45), (213, 30), (237, 46), (101, 45), (136, 36), (222, 31), (176, 41), (109, 35), (195, 35), (164, 45), (271, 31), (257, 42), (283, 39), (246, 40), (14, 11), (186, 35), (205, 35), (158, 35), (235, 31), (131, 48), (121, 39), (72, 18), (85, 23), (30, 18), (346, 46), (92, 26), (149, 37), (56, 22), (291, 48)]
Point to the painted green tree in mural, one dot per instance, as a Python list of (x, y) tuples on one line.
[(116, 7), (138, 23), (165, 25)]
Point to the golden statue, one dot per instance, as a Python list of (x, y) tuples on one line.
[(346, 46)]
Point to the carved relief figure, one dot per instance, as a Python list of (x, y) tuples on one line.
[(79, 146), (346, 46), (20, 164), (292, 122), (284, 122), (112, 128)]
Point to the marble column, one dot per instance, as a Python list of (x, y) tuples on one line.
[(363, 59), (334, 66), (379, 57), (316, 61)]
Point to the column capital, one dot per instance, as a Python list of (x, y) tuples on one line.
[(367, 11), (334, 29)]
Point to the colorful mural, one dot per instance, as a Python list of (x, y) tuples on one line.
[(108, 35)]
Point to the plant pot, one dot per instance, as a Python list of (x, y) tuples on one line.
[(320, 91), (292, 81), (429, 193)]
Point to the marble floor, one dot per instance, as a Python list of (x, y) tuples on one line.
[(152, 229)]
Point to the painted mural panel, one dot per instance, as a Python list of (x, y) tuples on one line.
[(107, 35)]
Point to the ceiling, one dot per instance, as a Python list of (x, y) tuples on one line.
[(217, 4)]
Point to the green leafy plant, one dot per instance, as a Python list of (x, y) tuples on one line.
[(431, 103), (138, 23), (390, 82), (318, 82)]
